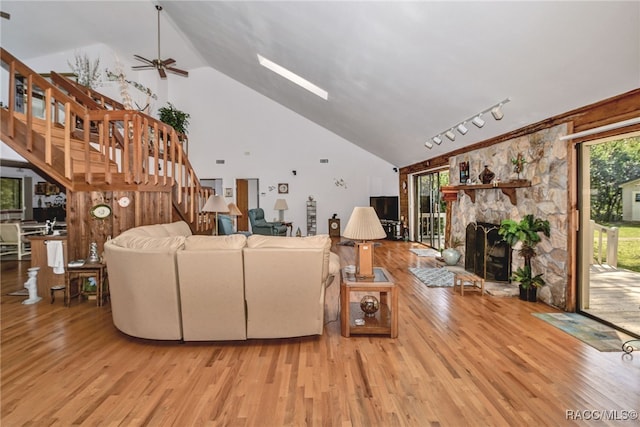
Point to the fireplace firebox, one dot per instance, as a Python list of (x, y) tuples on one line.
[(486, 254)]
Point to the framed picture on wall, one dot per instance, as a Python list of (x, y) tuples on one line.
[(464, 172), (228, 192)]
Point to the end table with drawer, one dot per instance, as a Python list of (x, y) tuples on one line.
[(385, 320)]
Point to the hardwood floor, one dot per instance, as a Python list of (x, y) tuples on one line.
[(472, 360)]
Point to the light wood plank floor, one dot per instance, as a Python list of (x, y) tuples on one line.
[(472, 360)]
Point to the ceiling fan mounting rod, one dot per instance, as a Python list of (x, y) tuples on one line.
[(159, 8)]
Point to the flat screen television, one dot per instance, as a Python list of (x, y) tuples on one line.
[(386, 207)]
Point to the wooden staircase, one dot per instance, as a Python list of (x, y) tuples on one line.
[(87, 142)]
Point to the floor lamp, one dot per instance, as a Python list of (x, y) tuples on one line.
[(215, 204), (363, 225)]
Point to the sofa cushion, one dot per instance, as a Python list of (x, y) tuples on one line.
[(309, 242), (178, 228), (204, 243), (172, 243)]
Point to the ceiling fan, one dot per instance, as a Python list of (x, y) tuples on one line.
[(161, 65)]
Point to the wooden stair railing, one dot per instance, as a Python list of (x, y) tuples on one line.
[(138, 152)]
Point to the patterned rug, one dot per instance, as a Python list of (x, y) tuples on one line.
[(433, 277), (426, 252), (599, 336)]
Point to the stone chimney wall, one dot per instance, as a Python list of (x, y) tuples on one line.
[(547, 198)]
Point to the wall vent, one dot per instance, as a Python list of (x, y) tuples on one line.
[(324, 160), (219, 162)]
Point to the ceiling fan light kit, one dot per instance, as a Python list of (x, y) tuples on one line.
[(476, 119), (159, 64)]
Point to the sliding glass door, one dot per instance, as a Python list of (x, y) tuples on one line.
[(429, 208), (609, 240)]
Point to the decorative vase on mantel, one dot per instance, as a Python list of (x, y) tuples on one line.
[(486, 176)]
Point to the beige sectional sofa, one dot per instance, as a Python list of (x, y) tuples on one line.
[(167, 284)]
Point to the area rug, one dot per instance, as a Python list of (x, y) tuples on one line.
[(425, 252), (589, 331), (433, 277)]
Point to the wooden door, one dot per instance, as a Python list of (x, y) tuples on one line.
[(242, 200)]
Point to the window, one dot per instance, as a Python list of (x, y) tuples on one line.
[(10, 193)]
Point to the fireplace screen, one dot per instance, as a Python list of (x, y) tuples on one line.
[(486, 254)]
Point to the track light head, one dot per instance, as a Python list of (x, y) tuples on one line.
[(449, 134), (462, 128), (478, 121), (428, 144), (437, 139), (496, 112)]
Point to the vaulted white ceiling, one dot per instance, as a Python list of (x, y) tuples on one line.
[(397, 73)]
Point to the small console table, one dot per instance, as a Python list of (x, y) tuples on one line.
[(85, 271), (385, 320)]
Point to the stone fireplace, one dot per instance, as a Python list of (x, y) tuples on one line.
[(546, 198), (486, 254)]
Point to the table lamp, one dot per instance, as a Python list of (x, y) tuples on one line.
[(215, 204), (234, 212), (364, 225), (281, 206)]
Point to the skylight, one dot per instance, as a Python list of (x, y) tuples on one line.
[(278, 69)]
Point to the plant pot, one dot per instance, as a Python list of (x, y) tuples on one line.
[(529, 294), (451, 256)]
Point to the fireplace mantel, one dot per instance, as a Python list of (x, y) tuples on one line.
[(507, 188)]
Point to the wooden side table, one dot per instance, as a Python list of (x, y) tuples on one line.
[(85, 271), (475, 282), (385, 321)]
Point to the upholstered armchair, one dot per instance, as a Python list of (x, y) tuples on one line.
[(260, 226), (225, 226)]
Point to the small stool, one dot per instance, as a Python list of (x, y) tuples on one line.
[(476, 282), (58, 288)]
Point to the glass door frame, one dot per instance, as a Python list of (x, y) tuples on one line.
[(436, 205), (584, 244)]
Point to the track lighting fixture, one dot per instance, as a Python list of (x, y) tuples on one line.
[(477, 120), (497, 113)]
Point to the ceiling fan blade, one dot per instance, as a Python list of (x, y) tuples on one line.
[(163, 75), (178, 71), (5, 15), (143, 59), (143, 67), (168, 61)]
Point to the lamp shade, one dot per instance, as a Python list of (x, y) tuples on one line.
[(281, 205), (364, 224), (215, 204), (233, 210)]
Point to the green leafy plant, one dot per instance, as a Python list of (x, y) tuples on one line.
[(178, 119), (523, 276), (527, 233)]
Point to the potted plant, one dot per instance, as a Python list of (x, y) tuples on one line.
[(526, 233), (170, 115), (451, 255)]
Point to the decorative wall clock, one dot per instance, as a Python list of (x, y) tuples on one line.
[(100, 211), (283, 188), (124, 201)]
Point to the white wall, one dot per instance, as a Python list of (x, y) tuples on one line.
[(258, 138)]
